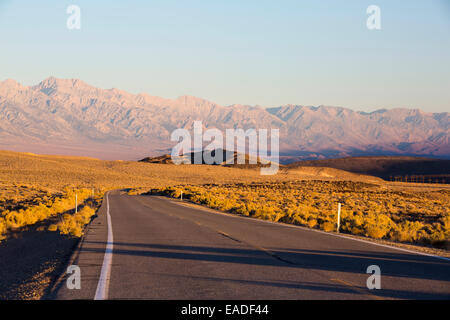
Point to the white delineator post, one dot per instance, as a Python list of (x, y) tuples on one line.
[(339, 217), (181, 195)]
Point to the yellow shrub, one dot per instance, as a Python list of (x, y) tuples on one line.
[(327, 226), (377, 225), (2, 228), (41, 212), (367, 210), (446, 222), (376, 232), (74, 224), (312, 223)]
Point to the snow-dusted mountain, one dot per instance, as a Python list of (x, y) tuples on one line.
[(71, 117)]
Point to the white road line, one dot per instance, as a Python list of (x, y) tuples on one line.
[(103, 282)]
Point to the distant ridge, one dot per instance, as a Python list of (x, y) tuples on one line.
[(164, 159), (69, 116), (227, 156), (384, 167)]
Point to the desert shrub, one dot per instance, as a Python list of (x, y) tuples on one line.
[(376, 232), (445, 220), (408, 231), (74, 224), (242, 209), (312, 223), (438, 237), (377, 225), (401, 235), (299, 220), (43, 211), (327, 226), (367, 209), (2, 228)]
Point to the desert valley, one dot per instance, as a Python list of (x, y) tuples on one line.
[(37, 202)]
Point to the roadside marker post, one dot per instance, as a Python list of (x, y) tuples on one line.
[(181, 195), (339, 217)]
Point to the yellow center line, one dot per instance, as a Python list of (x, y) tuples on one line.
[(357, 289)]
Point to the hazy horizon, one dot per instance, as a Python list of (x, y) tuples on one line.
[(233, 52)]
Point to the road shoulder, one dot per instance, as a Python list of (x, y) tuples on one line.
[(88, 256)]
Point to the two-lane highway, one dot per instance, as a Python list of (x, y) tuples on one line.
[(163, 249)]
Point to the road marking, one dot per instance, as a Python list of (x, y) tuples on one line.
[(226, 235), (357, 289), (103, 282)]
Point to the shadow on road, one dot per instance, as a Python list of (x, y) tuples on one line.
[(401, 264)]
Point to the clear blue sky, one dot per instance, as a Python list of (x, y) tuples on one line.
[(239, 51)]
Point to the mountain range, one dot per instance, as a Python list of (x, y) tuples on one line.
[(69, 116)]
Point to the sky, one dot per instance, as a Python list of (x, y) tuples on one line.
[(255, 52)]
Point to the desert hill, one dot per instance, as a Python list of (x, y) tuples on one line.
[(229, 159)]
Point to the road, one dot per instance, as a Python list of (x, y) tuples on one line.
[(164, 249)]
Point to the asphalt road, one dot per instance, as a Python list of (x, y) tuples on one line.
[(163, 249)]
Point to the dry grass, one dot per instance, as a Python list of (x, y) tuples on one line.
[(368, 210), (16, 197), (74, 224), (46, 209), (307, 196), (54, 173)]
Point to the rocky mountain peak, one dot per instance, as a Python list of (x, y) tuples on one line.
[(51, 85), (64, 114)]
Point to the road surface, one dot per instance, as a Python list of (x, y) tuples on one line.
[(163, 249)]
